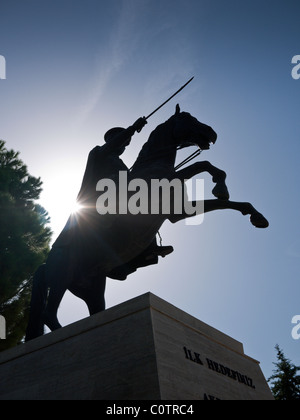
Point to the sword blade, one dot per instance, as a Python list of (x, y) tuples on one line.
[(171, 97)]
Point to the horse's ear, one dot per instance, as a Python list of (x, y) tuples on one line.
[(177, 109)]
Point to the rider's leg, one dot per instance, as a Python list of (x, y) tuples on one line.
[(155, 250)]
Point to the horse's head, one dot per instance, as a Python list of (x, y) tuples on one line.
[(188, 131), (181, 130)]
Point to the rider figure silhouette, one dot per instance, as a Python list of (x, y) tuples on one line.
[(105, 162)]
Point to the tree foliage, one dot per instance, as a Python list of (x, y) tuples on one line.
[(285, 381), (24, 241)]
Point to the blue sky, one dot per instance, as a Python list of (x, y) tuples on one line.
[(77, 68)]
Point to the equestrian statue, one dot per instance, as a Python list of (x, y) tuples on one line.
[(93, 247)]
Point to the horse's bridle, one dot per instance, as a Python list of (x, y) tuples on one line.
[(180, 165), (188, 159)]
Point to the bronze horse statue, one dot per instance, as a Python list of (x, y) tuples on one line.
[(113, 240)]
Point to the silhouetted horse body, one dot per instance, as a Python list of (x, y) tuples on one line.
[(113, 240)]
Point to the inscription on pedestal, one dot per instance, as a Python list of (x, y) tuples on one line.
[(165, 354), (196, 358)]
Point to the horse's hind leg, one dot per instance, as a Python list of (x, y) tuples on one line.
[(92, 292), (58, 278), (39, 295), (96, 296), (50, 314)]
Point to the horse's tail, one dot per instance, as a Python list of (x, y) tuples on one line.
[(38, 303)]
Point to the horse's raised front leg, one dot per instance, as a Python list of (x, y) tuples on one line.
[(256, 218), (218, 176)]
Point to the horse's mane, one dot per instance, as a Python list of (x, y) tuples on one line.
[(152, 145)]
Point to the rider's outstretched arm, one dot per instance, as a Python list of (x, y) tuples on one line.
[(123, 139)]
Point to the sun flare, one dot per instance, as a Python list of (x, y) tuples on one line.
[(76, 207)]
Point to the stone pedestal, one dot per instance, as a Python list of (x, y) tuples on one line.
[(143, 349)]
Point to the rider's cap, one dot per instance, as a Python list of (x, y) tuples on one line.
[(112, 133)]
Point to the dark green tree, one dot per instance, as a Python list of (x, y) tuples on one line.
[(24, 241), (285, 383)]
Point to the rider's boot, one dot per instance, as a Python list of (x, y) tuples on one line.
[(161, 251)]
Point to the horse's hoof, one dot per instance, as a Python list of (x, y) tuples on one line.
[(51, 322), (259, 221), (221, 192)]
